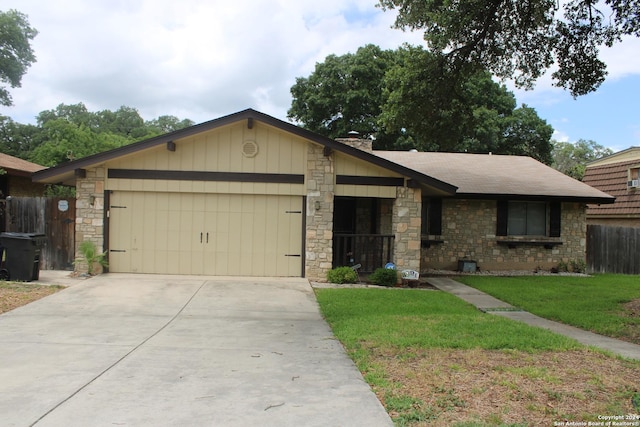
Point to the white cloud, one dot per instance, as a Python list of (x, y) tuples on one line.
[(201, 59), (560, 136), (194, 58)]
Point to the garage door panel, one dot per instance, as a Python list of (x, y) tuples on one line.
[(215, 234)]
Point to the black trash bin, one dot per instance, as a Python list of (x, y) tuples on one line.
[(22, 261)]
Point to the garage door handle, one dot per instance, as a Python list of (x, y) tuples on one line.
[(298, 255), (207, 237), (200, 237)]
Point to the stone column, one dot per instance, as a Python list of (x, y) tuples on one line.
[(407, 218), (319, 232), (89, 212)]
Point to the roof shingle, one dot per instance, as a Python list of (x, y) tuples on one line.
[(485, 174), (612, 178)]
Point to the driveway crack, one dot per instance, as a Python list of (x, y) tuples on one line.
[(117, 362)]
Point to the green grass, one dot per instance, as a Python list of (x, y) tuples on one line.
[(591, 303), (425, 319)]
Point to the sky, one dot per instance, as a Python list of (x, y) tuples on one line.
[(203, 59)]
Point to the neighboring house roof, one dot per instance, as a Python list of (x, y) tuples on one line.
[(482, 175), (631, 153), (19, 167), (612, 178)]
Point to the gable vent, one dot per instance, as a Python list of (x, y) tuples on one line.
[(249, 149)]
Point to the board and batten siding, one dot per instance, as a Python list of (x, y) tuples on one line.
[(349, 166), (220, 150)]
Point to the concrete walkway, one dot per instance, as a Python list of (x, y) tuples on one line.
[(153, 350), (492, 305)]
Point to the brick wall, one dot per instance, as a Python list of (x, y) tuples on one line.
[(90, 216), (469, 232)]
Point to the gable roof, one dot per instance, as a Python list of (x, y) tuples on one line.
[(19, 167), (65, 173), (498, 176), (612, 178), (468, 175)]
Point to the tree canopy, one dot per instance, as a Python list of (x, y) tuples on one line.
[(70, 132), (523, 39), (572, 158), (16, 54), (402, 100)]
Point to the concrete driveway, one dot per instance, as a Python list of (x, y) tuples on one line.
[(145, 350)]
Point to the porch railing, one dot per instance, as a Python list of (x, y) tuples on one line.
[(370, 250)]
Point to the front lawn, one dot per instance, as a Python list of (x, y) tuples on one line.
[(433, 359), (606, 304)]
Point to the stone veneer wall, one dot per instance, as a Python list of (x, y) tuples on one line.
[(90, 217), (406, 226), (469, 232), (319, 231), (360, 143)]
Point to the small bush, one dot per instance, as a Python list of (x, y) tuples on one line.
[(562, 267), (579, 266), (384, 277), (91, 256), (342, 275)]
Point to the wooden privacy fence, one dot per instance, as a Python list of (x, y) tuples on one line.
[(613, 249), (51, 216)]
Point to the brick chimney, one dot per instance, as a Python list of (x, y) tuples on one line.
[(354, 140)]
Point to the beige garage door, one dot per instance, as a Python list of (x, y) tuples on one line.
[(211, 234)]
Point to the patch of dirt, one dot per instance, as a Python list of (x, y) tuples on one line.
[(632, 308), (495, 387), (16, 294)]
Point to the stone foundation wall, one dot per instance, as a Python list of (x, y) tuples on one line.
[(469, 232), (90, 212), (319, 231)]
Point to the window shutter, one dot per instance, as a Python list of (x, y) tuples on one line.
[(554, 219), (435, 216), (502, 217)]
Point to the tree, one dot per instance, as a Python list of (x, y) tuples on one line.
[(64, 141), (72, 132), (16, 54), (16, 139), (403, 100), (572, 158), (166, 124), (523, 39), (343, 94)]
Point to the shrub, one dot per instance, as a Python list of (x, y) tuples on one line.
[(562, 267), (342, 275), (384, 277), (579, 266), (91, 256)]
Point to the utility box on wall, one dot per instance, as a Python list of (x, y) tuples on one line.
[(467, 266)]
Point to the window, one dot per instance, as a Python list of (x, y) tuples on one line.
[(523, 218), (527, 219), (431, 216)]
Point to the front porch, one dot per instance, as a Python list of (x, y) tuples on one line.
[(363, 232)]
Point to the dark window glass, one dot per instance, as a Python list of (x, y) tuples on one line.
[(527, 219)]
